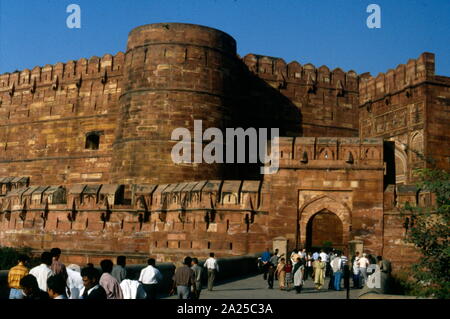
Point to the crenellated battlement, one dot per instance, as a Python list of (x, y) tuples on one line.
[(272, 68), (64, 73), (61, 80), (405, 76)]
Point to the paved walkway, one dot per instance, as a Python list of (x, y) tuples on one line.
[(254, 287)]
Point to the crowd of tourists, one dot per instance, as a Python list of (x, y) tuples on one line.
[(54, 280), (291, 272)]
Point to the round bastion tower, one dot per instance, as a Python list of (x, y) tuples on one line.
[(174, 74)]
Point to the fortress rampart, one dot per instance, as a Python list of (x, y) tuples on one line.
[(170, 75), (408, 106), (85, 151)]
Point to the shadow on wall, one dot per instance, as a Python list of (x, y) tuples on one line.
[(256, 104), (230, 268)]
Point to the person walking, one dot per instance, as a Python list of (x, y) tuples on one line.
[(319, 273), (108, 282), (150, 277), (43, 271), (323, 255), (183, 280), (336, 266), (288, 270), (265, 259), (132, 289), (303, 253), (198, 278), (270, 275), (294, 257), (326, 258), (57, 266), (363, 263), (329, 270), (274, 258), (345, 270), (356, 272), (92, 289), (119, 271), (299, 270), (308, 266), (274, 261), (213, 268), (281, 273), (315, 256), (15, 274), (344, 259), (74, 281)]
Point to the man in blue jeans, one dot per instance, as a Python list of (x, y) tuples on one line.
[(336, 265)]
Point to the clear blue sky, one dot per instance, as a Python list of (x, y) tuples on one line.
[(328, 32)]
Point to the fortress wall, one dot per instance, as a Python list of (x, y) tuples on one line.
[(46, 114), (325, 100), (407, 106), (167, 221), (437, 128), (401, 254), (171, 75), (318, 174), (414, 72)]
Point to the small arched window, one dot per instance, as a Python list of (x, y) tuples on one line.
[(93, 140)]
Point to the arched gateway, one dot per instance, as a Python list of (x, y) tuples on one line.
[(324, 219), (324, 228)]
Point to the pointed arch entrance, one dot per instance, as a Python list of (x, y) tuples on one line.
[(324, 229), (324, 219)]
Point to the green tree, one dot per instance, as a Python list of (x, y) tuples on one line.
[(430, 233)]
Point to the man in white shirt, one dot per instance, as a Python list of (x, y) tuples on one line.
[(363, 263), (213, 267), (74, 281), (332, 255), (336, 265), (150, 277), (132, 289), (303, 254), (43, 271), (324, 256), (328, 272), (355, 265)]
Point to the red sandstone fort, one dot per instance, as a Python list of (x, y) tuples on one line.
[(85, 150)]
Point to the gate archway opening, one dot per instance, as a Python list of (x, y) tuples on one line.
[(324, 230)]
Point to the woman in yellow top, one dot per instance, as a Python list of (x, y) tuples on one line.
[(281, 273), (319, 273)]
